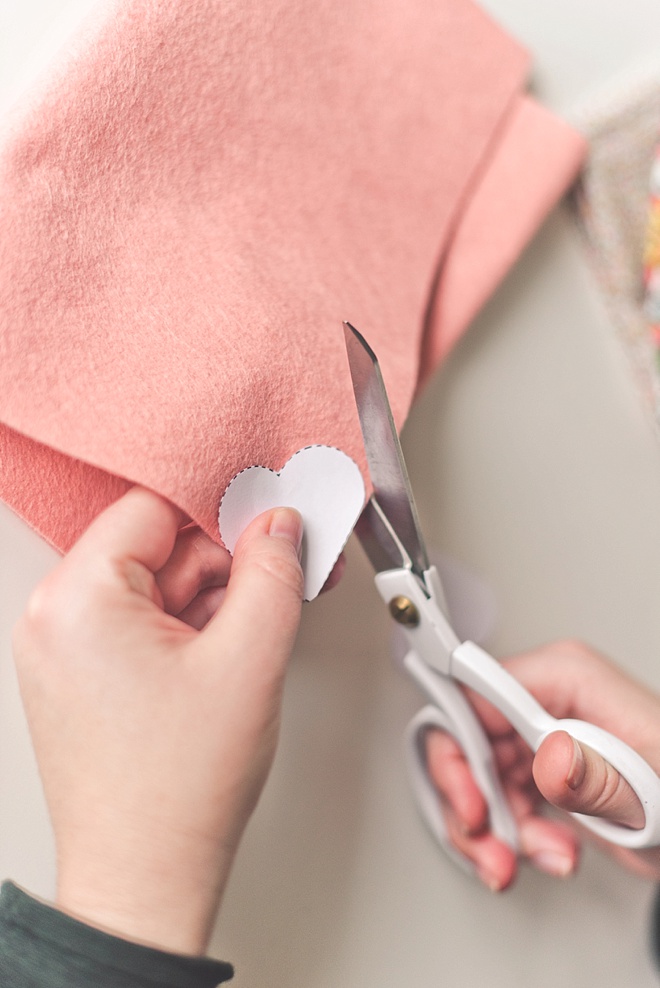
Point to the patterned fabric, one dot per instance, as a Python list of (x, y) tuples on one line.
[(612, 205), (652, 257)]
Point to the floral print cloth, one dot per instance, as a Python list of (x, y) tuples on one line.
[(652, 256), (622, 234)]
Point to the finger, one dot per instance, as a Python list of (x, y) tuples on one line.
[(451, 775), (196, 564), (140, 526), (574, 777), (569, 679), (493, 720), (550, 845), (513, 759), (335, 574), (523, 801), (261, 609), (205, 606), (494, 862)]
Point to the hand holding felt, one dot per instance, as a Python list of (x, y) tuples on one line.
[(148, 812), (195, 196)]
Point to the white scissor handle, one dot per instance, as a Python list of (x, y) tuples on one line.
[(476, 668), (441, 657), (451, 712)]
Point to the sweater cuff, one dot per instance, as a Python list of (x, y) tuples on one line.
[(42, 946)]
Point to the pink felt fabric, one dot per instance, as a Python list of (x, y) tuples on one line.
[(195, 196)]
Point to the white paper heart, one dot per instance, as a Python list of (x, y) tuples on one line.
[(322, 483)]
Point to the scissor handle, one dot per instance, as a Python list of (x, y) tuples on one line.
[(451, 712), (441, 657), (476, 668)]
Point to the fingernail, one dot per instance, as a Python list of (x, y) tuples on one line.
[(576, 772), (489, 879), (554, 863), (287, 524)]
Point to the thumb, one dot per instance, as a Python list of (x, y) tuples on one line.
[(260, 613), (574, 777)]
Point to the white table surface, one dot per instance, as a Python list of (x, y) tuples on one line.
[(535, 466)]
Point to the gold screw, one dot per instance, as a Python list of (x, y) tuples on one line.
[(404, 611)]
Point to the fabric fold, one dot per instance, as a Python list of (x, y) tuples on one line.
[(195, 196)]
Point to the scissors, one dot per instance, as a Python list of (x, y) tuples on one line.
[(439, 662)]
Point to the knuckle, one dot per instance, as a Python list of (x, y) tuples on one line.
[(41, 609), (57, 607), (576, 657), (607, 788), (38, 622), (574, 650)]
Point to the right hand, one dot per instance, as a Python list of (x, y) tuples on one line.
[(569, 680)]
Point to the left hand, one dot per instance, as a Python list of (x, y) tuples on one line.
[(154, 718)]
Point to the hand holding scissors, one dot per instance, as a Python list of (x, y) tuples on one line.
[(438, 661)]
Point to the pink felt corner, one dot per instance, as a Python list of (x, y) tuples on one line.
[(196, 195), (528, 171)]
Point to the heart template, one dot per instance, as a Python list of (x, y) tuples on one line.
[(322, 483)]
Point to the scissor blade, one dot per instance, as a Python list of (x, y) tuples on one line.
[(387, 467)]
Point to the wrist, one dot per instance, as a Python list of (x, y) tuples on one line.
[(163, 928), (143, 899)]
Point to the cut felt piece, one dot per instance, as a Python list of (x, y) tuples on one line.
[(320, 482), (192, 199)]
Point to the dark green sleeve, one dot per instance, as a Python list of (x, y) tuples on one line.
[(41, 947)]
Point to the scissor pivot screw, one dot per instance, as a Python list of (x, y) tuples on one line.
[(404, 611)]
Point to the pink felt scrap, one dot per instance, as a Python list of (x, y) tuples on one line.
[(195, 195)]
